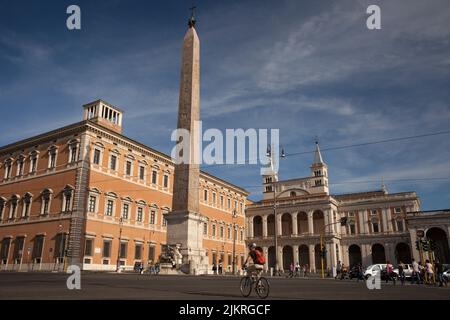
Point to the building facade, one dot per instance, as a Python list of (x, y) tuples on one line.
[(381, 226), (87, 194)]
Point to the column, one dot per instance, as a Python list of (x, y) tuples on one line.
[(344, 255), (366, 255), (279, 226), (413, 236), (333, 256), (310, 222), (280, 257), (312, 259), (384, 220), (264, 220), (250, 227), (295, 254), (266, 254), (329, 260), (294, 223), (362, 222), (389, 219)]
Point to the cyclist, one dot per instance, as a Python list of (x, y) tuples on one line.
[(255, 260)]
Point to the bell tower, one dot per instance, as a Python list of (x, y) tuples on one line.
[(319, 170)]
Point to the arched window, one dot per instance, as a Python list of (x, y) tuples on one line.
[(13, 206), (8, 168), (67, 198), (20, 165), (52, 154), (27, 199), (2, 207), (73, 150), (46, 198)]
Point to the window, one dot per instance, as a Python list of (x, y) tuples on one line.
[(293, 194), (138, 252), (229, 233), (242, 235), (154, 176), (113, 162), (33, 162), (399, 223), (152, 216), (214, 230), (20, 166), (141, 172), (205, 195), (151, 253), (38, 245), (52, 158), (60, 244), (18, 249), (73, 149), (164, 221), (26, 205), (373, 212), (214, 196), (375, 227), (67, 201), (128, 168), (88, 247), (230, 260), (317, 183), (46, 202), (2, 207), (97, 154), (352, 229), (229, 203), (106, 249), (109, 207), (140, 212), (317, 173), (125, 210), (221, 231), (398, 210), (205, 228), (235, 205), (13, 207), (123, 250), (166, 181), (8, 168), (92, 203), (4, 251), (221, 201)]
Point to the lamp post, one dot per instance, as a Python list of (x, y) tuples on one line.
[(343, 222), (61, 243), (120, 243), (234, 241)]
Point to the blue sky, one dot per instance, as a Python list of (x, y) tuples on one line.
[(309, 68)]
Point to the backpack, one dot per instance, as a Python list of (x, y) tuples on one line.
[(260, 259)]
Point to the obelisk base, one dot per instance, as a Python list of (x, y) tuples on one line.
[(185, 229)]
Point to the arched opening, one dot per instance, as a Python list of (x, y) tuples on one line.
[(402, 253), (318, 259), (293, 194), (303, 255), (288, 257), (271, 259), (286, 224), (271, 225), (318, 222), (354, 255), (257, 226), (440, 239), (378, 254), (302, 223)]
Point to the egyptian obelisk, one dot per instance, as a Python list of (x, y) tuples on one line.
[(184, 223)]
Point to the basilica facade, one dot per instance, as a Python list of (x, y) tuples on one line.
[(381, 226)]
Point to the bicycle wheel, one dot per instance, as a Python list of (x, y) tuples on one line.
[(246, 286), (262, 288)]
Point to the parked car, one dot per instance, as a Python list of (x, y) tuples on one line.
[(374, 269), (407, 268), (447, 274)]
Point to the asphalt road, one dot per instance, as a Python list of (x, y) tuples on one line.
[(135, 286)]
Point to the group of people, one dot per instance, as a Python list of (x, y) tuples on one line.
[(428, 273), (297, 270), (217, 269)]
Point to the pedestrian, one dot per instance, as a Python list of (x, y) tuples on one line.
[(401, 272), (338, 269), (359, 269), (390, 272), (297, 270), (416, 272), (440, 273), (306, 270), (291, 270), (429, 271), (214, 268), (220, 266)]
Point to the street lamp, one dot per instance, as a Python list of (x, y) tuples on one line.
[(283, 155), (234, 241), (61, 249), (120, 243)]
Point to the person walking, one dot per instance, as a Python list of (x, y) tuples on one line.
[(390, 272), (416, 272), (338, 269), (359, 269), (220, 266), (401, 272), (291, 270), (440, 273), (297, 270), (306, 270), (214, 268), (429, 271)]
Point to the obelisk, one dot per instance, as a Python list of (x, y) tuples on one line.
[(184, 223)]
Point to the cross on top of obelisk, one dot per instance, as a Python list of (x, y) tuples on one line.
[(192, 20)]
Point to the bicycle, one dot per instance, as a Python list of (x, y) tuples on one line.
[(253, 281)]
